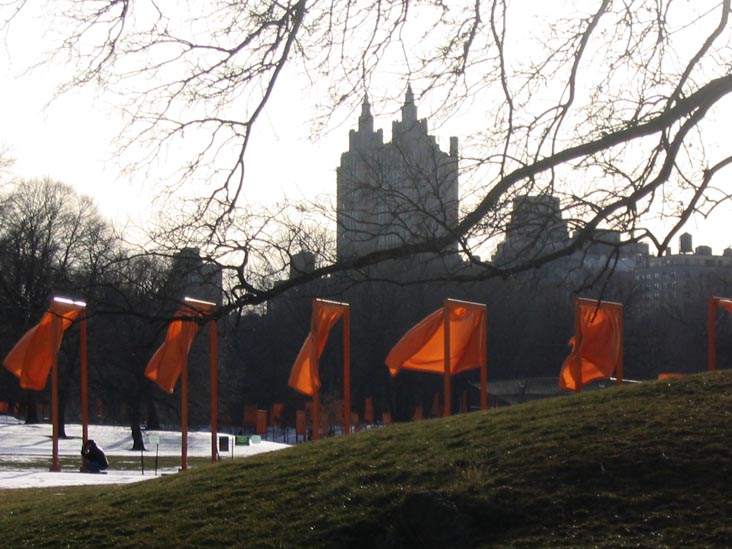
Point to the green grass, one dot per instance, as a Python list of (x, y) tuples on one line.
[(642, 466)]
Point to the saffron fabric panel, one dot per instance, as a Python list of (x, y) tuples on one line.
[(167, 363), (597, 348), (304, 376), (422, 348), (31, 358)]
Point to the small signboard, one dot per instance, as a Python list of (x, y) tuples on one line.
[(255, 439), (241, 440), (153, 439)]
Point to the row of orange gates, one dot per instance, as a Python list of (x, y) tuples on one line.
[(274, 423), (449, 341)]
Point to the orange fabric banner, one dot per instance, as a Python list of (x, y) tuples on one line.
[(422, 348), (31, 358), (167, 363), (597, 348), (304, 376)]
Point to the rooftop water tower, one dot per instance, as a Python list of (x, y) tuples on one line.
[(685, 244)]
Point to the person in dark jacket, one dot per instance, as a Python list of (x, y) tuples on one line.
[(93, 458)]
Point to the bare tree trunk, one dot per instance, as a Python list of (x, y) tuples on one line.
[(153, 422), (31, 410), (138, 441), (62, 418)]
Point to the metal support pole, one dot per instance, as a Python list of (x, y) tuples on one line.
[(55, 328)]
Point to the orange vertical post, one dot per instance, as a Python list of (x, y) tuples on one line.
[(712, 334), (347, 371), (448, 389), (214, 392), (484, 366), (184, 417), (84, 383), (54, 393)]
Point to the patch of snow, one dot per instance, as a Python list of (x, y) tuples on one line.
[(27, 443)]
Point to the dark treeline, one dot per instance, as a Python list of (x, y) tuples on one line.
[(530, 322), (53, 242)]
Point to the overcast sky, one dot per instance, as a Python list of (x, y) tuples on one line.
[(72, 141)]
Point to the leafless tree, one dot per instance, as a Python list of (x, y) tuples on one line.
[(52, 241), (610, 106)]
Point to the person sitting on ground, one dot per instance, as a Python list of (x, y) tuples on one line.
[(93, 458)]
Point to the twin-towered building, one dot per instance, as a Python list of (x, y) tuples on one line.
[(397, 192)]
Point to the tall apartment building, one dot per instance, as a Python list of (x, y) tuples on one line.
[(397, 192), (193, 276)]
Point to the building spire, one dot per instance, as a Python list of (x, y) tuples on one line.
[(366, 121), (365, 106), (409, 110)]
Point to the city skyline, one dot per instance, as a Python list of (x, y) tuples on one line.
[(72, 142)]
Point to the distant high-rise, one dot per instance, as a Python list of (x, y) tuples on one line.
[(536, 227), (397, 192), (193, 276)]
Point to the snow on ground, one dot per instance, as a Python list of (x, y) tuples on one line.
[(20, 442)]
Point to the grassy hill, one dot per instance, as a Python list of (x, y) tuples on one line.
[(642, 466)]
